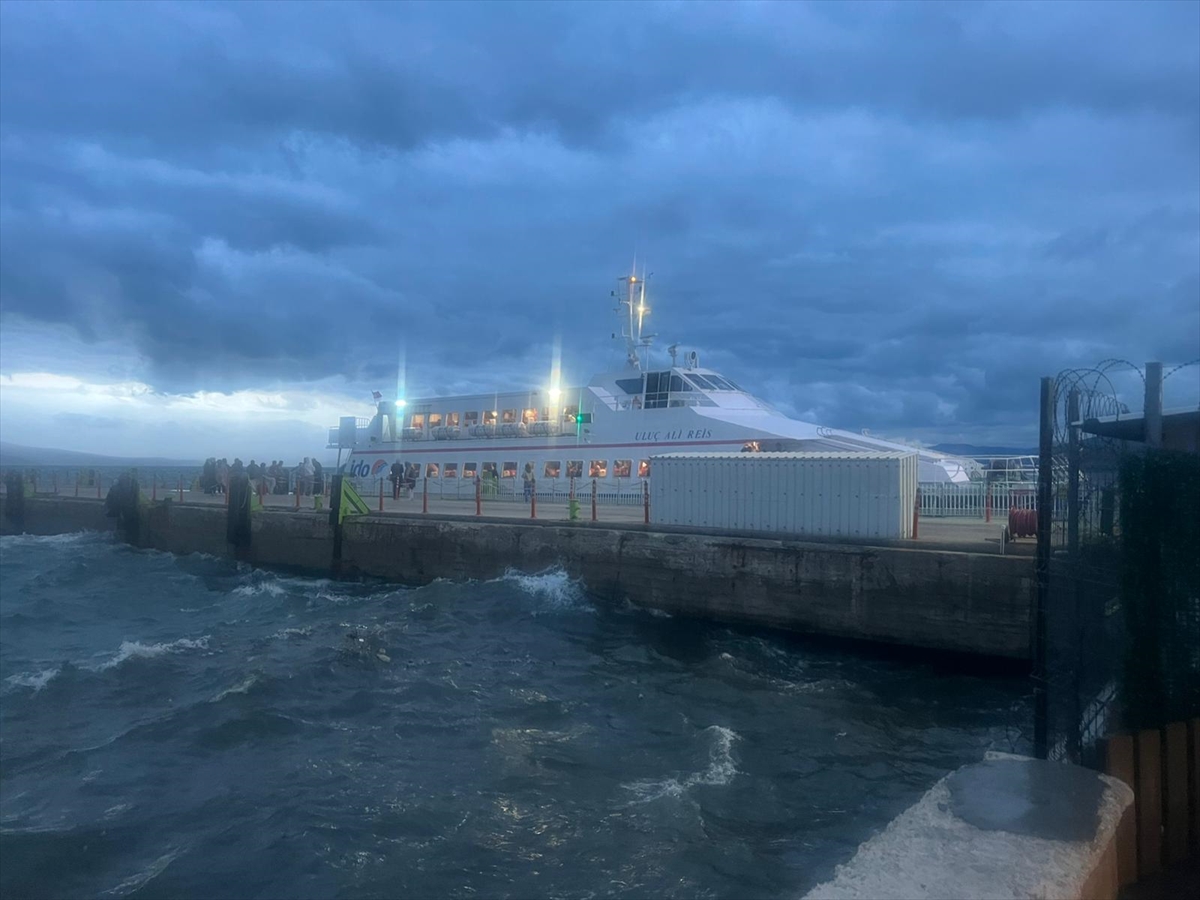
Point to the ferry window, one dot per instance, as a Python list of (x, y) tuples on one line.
[(489, 417), (435, 420), (452, 419), (450, 470), (529, 416), (678, 384), (643, 468), (598, 469), (575, 468), (431, 470), (702, 381), (417, 420), (552, 470), (412, 471), (622, 468), (508, 417), (471, 418), (469, 470), (569, 413), (510, 470), (489, 470), (630, 385)]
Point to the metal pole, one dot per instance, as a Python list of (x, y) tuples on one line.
[(533, 500), (1073, 472), (593, 499), (916, 513), (478, 496), (381, 495), (425, 494), (1153, 407), (987, 506), (1045, 497), (646, 500)]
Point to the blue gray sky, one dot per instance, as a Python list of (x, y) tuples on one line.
[(223, 225)]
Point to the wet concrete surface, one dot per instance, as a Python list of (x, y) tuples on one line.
[(1028, 796)]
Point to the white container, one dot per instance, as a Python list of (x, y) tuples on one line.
[(856, 495)]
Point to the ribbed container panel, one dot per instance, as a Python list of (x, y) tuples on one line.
[(856, 495)]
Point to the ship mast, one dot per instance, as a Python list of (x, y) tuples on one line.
[(632, 308)]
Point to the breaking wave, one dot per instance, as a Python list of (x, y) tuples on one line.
[(721, 770), (137, 650), (34, 680), (554, 588)]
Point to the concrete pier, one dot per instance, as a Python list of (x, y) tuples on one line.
[(975, 603)]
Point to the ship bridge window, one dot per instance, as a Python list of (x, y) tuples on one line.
[(529, 416), (702, 382), (630, 385), (489, 417), (452, 419)]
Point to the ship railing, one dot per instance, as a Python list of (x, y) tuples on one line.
[(973, 499), (609, 492)]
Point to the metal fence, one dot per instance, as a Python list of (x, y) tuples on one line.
[(622, 492), (1117, 618)]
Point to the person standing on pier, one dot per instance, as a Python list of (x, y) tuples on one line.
[(527, 477), (397, 473)]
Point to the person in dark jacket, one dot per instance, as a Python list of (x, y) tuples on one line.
[(397, 474)]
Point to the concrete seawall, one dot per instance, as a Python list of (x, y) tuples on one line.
[(971, 603)]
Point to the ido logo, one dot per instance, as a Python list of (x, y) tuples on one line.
[(361, 469)]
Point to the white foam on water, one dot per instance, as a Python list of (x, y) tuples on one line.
[(137, 650), (721, 770), (135, 881), (555, 588), (13, 541), (287, 633), (241, 687), (35, 680), (270, 587)]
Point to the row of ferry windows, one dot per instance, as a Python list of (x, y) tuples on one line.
[(489, 417), (597, 468)]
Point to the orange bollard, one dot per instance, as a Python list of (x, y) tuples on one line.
[(593, 499), (381, 495), (478, 496), (646, 499), (533, 502), (916, 513), (425, 495)]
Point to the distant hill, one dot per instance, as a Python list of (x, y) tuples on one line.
[(18, 455), (974, 450)]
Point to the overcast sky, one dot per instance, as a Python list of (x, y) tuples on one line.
[(223, 225)]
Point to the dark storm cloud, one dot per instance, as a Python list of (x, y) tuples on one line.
[(894, 214)]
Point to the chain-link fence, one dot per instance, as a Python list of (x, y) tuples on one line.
[(1117, 625)]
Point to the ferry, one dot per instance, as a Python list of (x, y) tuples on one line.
[(606, 431)]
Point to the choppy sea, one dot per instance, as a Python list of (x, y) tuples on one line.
[(191, 727)]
